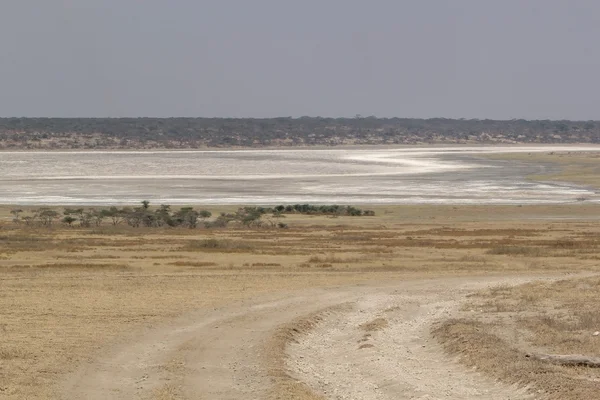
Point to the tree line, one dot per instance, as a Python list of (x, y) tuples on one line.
[(134, 133), (188, 217)]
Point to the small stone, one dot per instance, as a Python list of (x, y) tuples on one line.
[(597, 333)]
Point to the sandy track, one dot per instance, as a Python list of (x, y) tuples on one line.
[(213, 355), (220, 354), (381, 349)]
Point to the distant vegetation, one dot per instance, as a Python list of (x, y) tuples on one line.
[(188, 217), (185, 133)]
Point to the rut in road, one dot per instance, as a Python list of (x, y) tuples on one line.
[(381, 349), (223, 354)]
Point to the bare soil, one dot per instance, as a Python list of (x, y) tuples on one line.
[(145, 314), (226, 353)]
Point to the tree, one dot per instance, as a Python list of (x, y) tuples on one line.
[(221, 221), (76, 214), (278, 214), (16, 213), (163, 215), (249, 216), (133, 217), (353, 211), (97, 216), (145, 204), (148, 219), (68, 220), (187, 216), (115, 215), (46, 216), (204, 215)]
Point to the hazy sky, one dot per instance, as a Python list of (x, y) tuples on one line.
[(261, 58)]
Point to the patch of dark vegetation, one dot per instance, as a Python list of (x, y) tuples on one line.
[(308, 209), (172, 133), (164, 216), (217, 244)]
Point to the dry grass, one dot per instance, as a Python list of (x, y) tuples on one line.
[(333, 259), (284, 386), (67, 266), (214, 244), (167, 392), (518, 251), (552, 318), (194, 264), (577, 167), (65, 293)]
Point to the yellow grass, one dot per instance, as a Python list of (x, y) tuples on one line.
[(67, 292), (577, 167), (511, 322)]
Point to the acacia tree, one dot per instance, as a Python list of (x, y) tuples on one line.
[(46, 216), (187, 216), (97, 216), (133, 217), (68, 220), (74, 213), (204, 215), (249, 216), (163, 215), (148, 219), (84, 217), (116, 216), (16, 213)]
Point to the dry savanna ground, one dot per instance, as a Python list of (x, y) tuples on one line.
[(577, 167), (504, 328), (67, 293)]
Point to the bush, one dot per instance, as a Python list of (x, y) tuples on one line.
[(216, 244)]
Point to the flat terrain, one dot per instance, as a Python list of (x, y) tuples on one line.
[(574, 166), (367, 175), (331, 308)]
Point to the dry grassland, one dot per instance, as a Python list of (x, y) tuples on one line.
[(67, 292), (502, 326), (577, 167)]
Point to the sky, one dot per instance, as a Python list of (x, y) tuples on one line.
[(531, 59)]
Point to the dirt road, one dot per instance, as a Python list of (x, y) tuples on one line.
[(376, 347)]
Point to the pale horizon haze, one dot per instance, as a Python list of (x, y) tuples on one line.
[(531, 59)]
